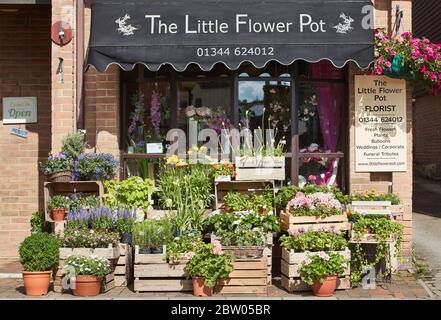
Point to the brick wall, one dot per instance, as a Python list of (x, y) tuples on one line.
[(397, 182), (25, 70), (427, 134)]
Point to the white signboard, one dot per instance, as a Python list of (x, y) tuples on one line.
[(380, 124), (18, 110)]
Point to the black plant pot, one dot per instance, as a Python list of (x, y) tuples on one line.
[(157, 251), (126, 238), (145, 251)]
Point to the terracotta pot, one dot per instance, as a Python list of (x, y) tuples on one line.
[(87, 286), (200, 289), (37, 283), (58, 214), (325, 289)]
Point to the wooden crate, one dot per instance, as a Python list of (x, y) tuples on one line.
[(248, 277), (124, 266), (291, 262), (260, 168), (67, 188), (289, 222), (267, 252), (111, 253), (246, 187), (153, 273)]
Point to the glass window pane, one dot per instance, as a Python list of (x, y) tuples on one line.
[(269, 107), (207, 102)]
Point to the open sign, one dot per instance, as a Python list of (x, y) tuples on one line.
[(17, 110)]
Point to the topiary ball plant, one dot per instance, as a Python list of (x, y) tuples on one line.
[(39, 252)]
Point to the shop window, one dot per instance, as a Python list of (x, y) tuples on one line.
[(266, 105), (206, 103)]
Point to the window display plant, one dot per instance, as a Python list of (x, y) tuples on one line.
[(382, 230), (57, 205), (321, 271), (39, 255), (133, 192), (93, 166), (208, 265), (88, 273), (317, 204)]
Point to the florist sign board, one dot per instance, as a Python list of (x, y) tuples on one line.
[(18, 110), (181, 32), (380, 124)]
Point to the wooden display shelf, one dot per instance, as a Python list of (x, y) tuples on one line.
[(289, 222)]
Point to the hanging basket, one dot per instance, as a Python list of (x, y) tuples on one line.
[(398, 70), (60, 176)]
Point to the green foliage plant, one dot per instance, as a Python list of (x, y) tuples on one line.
[(73, 145), (314, 241), (39, 252), (316, 267)]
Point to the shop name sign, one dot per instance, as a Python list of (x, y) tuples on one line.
[(210, 31), (242, 23), (380, 124), (18, 110)]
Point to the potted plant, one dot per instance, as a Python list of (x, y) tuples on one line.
[(207, 265), (181, 249), (39, 255), (58, 205), (58, 168), (150, 236), (88, 274), (93, 166), (242, 242), (73, 145), (124, 223), (321, 271), (223, 171)]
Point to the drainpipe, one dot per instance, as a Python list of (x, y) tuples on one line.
[(80, 64)]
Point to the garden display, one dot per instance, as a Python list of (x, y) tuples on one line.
[(39, 254), (58, 206), (299, 248), (58, 168)]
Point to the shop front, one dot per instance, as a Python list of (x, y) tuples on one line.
[(282, 66)]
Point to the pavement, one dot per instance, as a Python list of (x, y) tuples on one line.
[(427, 230), (402, 286)]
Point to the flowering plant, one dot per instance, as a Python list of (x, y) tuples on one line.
[(137, 116), (373, 195), (242, 236), (211, 263), (85, 238), (80, 200), (319, 204), (183, 246), (56, 163), (58, 202), (93, 166), (419, 57), (307, 109), (223, 169), (259, 203), (88, 266), (316, 267), (320, 240)]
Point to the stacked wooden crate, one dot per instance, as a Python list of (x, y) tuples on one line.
[(124, 266), (153, 273), (248, 277), (291, 262), (111, 253), (292, 223)]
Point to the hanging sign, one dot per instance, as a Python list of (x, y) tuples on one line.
[(19, 110), (380, 124)]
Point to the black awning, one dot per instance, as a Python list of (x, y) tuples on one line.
[(206, 32)]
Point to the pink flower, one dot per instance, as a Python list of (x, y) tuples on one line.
[(301, 229), (217, 250), (312, 178), (424, 70), (189, 255), (405, 34), (388, 64), (378, 70), (416, 54), (433, 76), (380, 60)]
